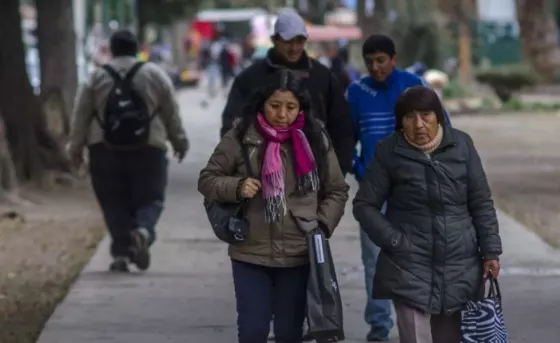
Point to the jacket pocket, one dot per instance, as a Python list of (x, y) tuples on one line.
[(305, 218), (399, 243), (294, 231), (470, 242)]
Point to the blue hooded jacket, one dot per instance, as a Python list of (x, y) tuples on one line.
[(372, 104)]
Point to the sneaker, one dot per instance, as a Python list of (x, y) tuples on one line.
[(141, 248), (375, 336), (119, 264), (306, 336), (271, 332)]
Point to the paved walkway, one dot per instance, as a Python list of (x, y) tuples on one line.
[(187, 296)]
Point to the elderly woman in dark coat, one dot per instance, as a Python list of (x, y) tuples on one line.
[(439, 237)]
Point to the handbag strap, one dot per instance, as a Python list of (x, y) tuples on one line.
[(493, 291), (247, 161)]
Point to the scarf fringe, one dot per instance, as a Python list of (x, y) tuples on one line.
[(275, 208), (308, 183), (275, 204)]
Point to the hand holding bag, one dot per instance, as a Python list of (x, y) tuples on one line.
[(228, 220), (483, 320), (324, 305)]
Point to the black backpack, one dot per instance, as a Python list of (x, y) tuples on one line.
[(126, 121)]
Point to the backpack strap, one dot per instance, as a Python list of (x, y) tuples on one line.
[(247, 161), (129, 74), (132, 71), (112, 72)]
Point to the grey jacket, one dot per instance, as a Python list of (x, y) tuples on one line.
[(151, 81), (439, 226)]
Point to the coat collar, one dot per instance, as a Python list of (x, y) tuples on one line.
[(387, 83), (253, 137), (404, 149), (302, 67)]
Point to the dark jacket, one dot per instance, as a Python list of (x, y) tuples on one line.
[(326, 94), (339, 71), (279, 244), (439, 226)]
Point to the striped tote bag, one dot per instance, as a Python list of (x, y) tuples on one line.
[(483, 320)]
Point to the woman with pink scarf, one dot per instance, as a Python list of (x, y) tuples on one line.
[(295, 184)]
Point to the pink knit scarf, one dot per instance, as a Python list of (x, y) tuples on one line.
[(272, 171)]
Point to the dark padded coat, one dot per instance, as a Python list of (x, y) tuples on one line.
[(325, 91), (440, 223)]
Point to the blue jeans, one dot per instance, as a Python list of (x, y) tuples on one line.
[(378, 312), (261, 291)]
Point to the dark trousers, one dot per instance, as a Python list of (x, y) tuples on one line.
[(130, 189), (259, 292)]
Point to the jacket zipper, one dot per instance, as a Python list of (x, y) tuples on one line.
[(435, 163), (433, 241)]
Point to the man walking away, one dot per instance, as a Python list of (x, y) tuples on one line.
[(124, 114), (288, 52), (215, 62), (372, 99)]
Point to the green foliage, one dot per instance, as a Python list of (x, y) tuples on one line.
[(506, 80), (417, 43), (165, 11), (455, 90), (416, 34)]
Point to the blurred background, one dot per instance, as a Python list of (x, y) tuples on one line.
[(495, 63), (507, 45), (483, 56)]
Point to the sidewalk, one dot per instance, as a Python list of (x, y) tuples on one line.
[(187, 296)]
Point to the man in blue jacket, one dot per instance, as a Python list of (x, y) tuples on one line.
[(372, 99)]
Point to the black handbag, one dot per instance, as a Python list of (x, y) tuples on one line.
[(229, 221)]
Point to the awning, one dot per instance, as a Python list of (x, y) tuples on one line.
[(333, 33)]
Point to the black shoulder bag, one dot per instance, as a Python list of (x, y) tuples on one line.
[(229, 221)]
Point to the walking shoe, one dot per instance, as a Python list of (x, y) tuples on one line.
[(375, 336), (306, 336), (119, 264), (141, 248), (271, 337)]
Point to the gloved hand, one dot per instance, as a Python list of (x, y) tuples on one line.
[(180, 149), (75, 154)]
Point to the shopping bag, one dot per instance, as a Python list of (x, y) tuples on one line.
[(324, 305), (483, 320)]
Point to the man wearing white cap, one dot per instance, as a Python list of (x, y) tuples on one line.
[(289, 38)]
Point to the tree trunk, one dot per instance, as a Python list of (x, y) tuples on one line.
[(32, 147), (539, 37), (371, 24), (57, 52)]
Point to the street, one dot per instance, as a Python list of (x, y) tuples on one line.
[(187, 296)]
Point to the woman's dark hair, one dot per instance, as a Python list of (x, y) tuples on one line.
[(287, 80), (417, 98), (378, 43), (123, 43)]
